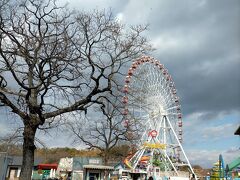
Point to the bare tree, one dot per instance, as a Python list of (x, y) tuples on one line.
[(54, 62), (102, 130)]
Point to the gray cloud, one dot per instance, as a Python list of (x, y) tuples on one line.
[(198, 41)]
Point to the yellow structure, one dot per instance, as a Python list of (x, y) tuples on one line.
[(154, 145)]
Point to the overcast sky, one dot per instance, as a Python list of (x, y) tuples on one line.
[(198, 41)]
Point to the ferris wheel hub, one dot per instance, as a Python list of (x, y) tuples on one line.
[(153, 133)]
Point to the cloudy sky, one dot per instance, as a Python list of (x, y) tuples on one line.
[(198, 41)]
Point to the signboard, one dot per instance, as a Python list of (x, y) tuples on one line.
[(65, 164), (154, 145), (94, 161), (153, 133)]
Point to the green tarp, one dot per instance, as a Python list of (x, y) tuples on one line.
[(234, 164)]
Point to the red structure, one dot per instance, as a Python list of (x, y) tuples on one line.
[(48, 166)]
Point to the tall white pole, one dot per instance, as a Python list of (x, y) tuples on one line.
[(164, 142), (180, 146)]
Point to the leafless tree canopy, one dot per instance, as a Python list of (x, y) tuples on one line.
[(53, 61), (104, 130)]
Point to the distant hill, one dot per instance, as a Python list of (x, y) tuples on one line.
[(53, 155)]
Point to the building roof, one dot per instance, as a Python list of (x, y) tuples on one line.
[(47, 166), (237, 132), (4, 160), (234, 164), (17, 161), (119, 165), (101, 167), (79, 162)]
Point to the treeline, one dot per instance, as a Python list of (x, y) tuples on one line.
[(53, 155)]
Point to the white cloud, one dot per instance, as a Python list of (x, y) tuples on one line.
[(218, 131), (137, 11), (9, 122), (4, 129), (206, 158), (193, 119), (166, 42), (120, 17)]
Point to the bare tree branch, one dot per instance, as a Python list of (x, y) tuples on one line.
[(103, 133), (54, 62)]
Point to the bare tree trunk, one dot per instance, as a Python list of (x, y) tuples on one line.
[(106, 158), (28, 152)]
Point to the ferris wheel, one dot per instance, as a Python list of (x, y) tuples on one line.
[(151, 104)]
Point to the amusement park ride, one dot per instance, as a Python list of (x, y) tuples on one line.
[(152, 107)]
